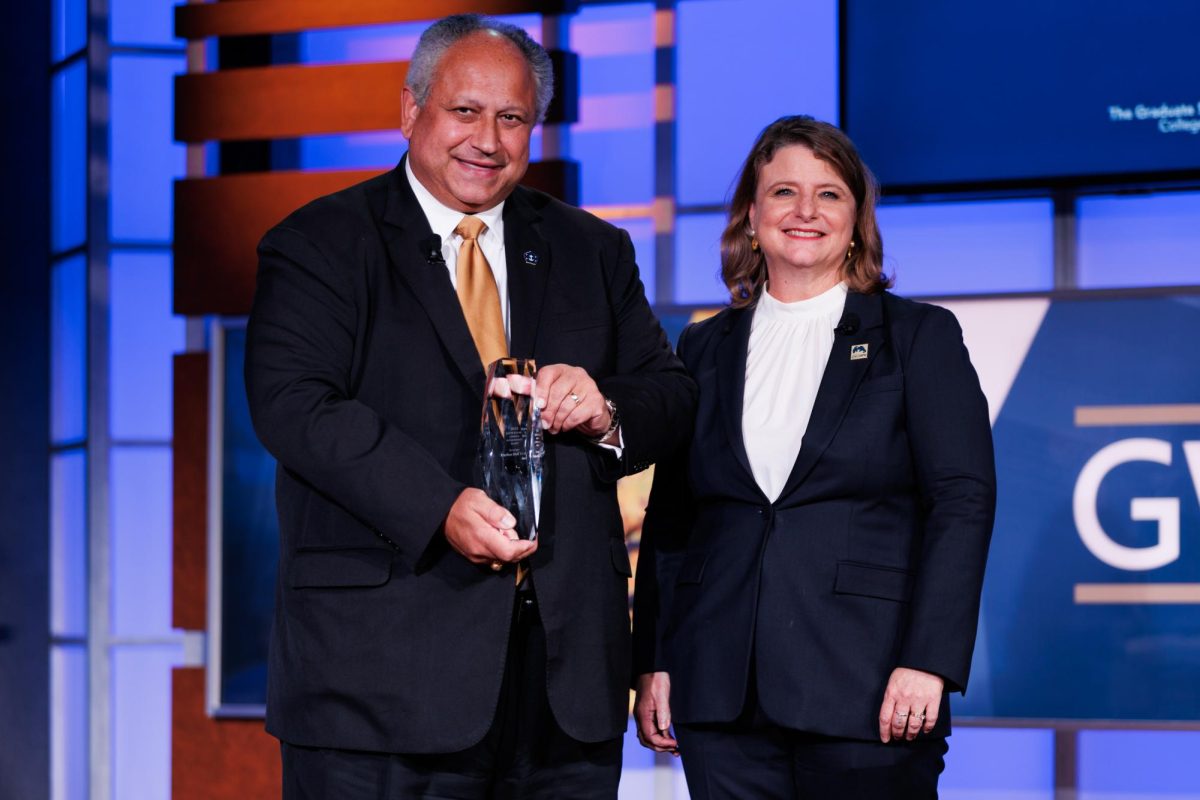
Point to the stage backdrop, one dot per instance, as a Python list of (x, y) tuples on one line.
[(1089, 609)]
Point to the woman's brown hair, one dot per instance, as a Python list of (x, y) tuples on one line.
[(744, 269)]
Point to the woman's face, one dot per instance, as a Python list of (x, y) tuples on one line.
[(803, 214)]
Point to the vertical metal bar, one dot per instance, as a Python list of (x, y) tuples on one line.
[(1066, 764), (1066, 240), (665, 137), (98, 432), (556, 137), (196, 335)]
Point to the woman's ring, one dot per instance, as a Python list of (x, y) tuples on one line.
[(901, 716), (497, 566), (576, 398)]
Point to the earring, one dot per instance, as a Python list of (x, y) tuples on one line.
[(753, 242), (850, 252)]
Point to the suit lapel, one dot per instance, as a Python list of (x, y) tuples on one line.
[(731, 382), (839, 383), (406, 230), (527, 257)]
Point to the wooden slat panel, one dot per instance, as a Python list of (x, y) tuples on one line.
[(218, 222), (217, 759), (245, 17), (289, 101), (189, 492)]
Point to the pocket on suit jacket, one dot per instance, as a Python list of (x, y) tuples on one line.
[(886, 383), (692, 568), (327, 569), (620, 557), (869, 580)]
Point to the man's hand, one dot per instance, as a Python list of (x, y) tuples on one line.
[(484, 532), (910, 704), (652, 713), (571, 401)]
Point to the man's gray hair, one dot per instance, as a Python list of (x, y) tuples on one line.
[(439, 36)]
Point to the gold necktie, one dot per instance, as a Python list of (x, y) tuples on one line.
[(478, 294)]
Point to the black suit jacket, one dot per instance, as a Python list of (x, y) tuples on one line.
[(364, 383), (871, 558)]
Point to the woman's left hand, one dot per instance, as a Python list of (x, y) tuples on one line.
[(910, 704)]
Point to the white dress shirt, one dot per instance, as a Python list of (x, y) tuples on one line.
[(443, 220), (789, 348)]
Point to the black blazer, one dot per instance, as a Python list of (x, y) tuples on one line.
[(871, 558), (364, 383)]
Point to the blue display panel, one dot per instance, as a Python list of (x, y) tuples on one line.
[(641, 233), (143, 335), (248, 540), (962, 248), (69, 722), (68, 350), (68, 544), (68, 157), (140, 486), (142, 720), (999, 764), (741, 65), (145, 158), (614, 138), (1140, 240), (1129, 764), (375, 150), (698, 260), (1093, 581), (1026, 92), (138, 22), (68, 27)]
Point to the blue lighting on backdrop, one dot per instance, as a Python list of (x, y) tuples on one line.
[(68, 157), (739, 65)]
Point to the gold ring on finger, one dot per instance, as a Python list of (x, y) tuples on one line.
[(497, 566)]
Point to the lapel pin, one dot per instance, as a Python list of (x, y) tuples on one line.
[(531, 258), (858, 352)]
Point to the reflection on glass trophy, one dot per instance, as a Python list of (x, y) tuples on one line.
[(511, 449)]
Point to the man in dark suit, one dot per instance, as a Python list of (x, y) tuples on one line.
[(406, 661)]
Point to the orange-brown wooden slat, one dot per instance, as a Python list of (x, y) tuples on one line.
[(246, 17), (218, 222), (217, 759), (189, 492), (288, 101)]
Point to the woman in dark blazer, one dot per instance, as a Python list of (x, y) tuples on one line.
[(810, 570)]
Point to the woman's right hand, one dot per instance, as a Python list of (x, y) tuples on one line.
[(652, 712)]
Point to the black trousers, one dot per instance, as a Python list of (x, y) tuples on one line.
[(752, 757), (525, 754)]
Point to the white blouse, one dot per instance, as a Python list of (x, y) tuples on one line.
[(789, 348)]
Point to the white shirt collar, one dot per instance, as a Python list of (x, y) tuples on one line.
[(443, 219), (829, 303)]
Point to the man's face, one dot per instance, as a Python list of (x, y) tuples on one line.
[(469, 144)]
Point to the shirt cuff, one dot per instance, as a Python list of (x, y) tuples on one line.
[(618, 449)]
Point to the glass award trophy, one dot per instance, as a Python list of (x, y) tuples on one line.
[(511, 449)]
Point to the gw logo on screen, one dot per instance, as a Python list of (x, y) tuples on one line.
[(1162, 510)]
